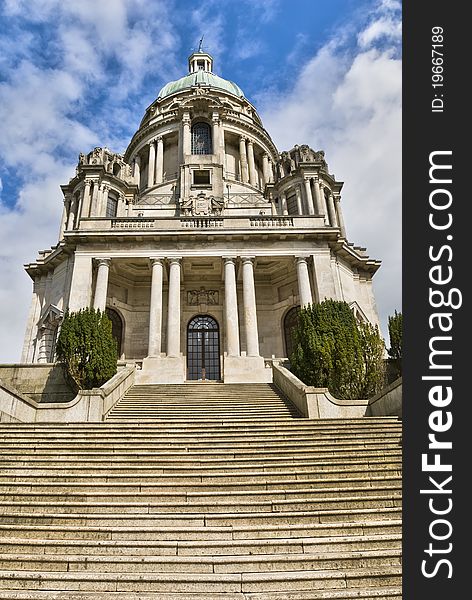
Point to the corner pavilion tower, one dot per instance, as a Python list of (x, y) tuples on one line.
[(200, 241)]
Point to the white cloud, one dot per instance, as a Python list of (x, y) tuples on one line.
[(349, 104), (49, 80)]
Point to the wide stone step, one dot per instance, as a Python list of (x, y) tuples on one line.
[(303, 545), (383, 593), (202, 582), (320, 485), (199, 451), (215, 430), (216, 477), (202, 564), (185, 495), (260, 531), (105, 426), (207, 461), (203, 443), (287, 517), (192, 505)]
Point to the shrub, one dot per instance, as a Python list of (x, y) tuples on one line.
[(395, 332), (333, 350), (86, 348)]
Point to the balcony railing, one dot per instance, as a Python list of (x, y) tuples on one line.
[(271, 221), (202, 222), (265, 222)]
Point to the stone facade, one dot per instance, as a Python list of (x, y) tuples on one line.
[(202, 216)]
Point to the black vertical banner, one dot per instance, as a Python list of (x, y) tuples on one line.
[(437, 319)]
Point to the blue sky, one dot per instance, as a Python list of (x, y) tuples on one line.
[(74, 75)]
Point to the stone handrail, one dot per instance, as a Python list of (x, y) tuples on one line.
[(388, 402), (88, 405), (315, 403)]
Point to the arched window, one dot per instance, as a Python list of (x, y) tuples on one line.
[(201, 139), (290, 322), (116, 327), (111, 207), (203, 348)]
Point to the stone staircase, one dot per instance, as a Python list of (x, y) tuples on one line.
[(201, 491)]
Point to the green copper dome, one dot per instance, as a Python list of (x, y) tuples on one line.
[(203, 78)]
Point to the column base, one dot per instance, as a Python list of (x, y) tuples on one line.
[(246, 369), (162, 369)]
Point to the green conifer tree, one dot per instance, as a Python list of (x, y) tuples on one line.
[(333, 350), (395, 332), (86, 348)]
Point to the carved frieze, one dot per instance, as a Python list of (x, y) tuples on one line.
[(202, 296), (202, 205)]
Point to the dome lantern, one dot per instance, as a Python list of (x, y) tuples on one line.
[(200, 61)]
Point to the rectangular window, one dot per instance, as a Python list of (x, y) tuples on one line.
[(112, 207), (201, 177), (292, 205)]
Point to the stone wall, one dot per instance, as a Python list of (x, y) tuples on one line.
[(388, 402), (43, 382)]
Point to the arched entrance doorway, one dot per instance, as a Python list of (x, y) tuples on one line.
[(290, 322), (203, 349)]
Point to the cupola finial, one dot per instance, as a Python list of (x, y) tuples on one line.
[(200, 45)]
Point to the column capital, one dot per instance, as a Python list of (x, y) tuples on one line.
[(156, 259), (87, 182), (231, 259), (174, 260), (250, 141), (301, 259), (152, 141), (243, 138), (102, 261), (159, 139), (248, 259), (137, 159)]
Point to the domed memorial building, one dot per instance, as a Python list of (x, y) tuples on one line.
[(200, 241)]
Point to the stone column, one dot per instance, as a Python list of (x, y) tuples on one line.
[(304, 288), (309, 197), (215, 134), (80, 206), (299, 200), (137, 170), (265, 168), (87, 199), (243, 160), (151, 163), (94, 201), (65, 216), (324, 206), (318, 203), (155, 309), (173, 310), (283, 200), (223, 149), (159, 174), (105, 191), (252, 164), (250, 313), (271, 171), (101, 285), (73, 210), (186, 135), (339, 214), (231, 308), (332, 211)]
